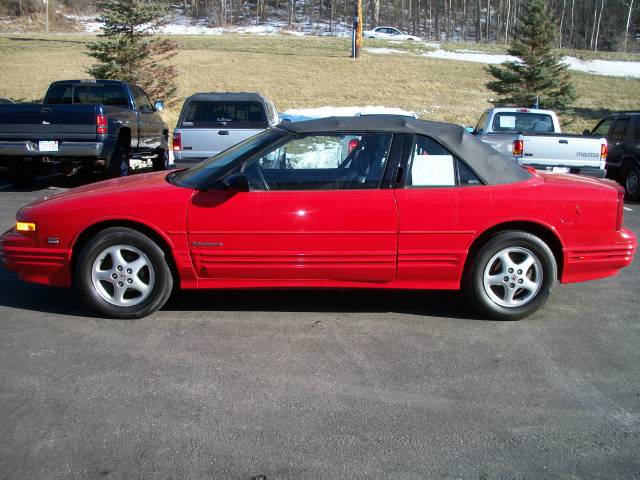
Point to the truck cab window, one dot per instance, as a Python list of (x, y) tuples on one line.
[(60, 95)]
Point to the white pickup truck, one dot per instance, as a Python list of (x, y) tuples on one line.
[(533, 137)]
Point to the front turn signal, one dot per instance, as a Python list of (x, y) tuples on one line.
[(25, 226)]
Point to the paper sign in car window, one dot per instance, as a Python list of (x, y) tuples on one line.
[(507, 121), (433, 171)]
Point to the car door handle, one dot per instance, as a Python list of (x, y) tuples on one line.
[(566, 142), (223, 132)]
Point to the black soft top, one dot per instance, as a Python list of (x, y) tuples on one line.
[(493, 167), (228, 97)]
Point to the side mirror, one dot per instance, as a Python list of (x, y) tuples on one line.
[(470, 129), (158, 105), (586, 132), (237, 182)]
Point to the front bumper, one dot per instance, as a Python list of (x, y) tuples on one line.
[(591, 263), (48, 266)]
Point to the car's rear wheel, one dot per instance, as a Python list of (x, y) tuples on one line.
[(119, 162), (161, 160), (512, 275), (122, 273), (632, 182)]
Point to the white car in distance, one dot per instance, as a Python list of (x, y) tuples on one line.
[(389, 33)]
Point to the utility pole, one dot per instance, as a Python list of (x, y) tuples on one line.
[(46, 15), (356, 36)]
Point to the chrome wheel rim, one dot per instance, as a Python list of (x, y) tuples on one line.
[(123, 275), (632, 181), (513, 277)]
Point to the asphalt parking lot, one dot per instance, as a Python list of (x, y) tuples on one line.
[(348, 384)]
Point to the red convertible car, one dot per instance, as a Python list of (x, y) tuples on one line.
[(362, 202)]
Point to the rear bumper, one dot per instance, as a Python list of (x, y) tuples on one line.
[(24, 149), (590, 263), (48, 266)]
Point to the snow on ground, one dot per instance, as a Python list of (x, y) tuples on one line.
[(611, 68), (384, 51), (300, 114)]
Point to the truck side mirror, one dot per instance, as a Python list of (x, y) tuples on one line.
[(237, 182), (586, 132), (470, 129), (158, 105)]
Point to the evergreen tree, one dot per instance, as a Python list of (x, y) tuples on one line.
[(537, 75), (126, 49)]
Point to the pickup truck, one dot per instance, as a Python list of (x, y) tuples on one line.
[(96, 125), (533, 137), (212, 122)]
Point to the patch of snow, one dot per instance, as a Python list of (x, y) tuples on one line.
[(613, 68), (383, 50), (300, 114), (468, 56)]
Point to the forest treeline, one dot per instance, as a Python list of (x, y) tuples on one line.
[(611, 25)]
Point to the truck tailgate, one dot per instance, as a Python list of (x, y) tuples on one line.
[(562, 150), (201, 143), (47, 122)]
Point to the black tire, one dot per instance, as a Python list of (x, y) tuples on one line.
[(161, 160), (20, 174), (159, 287), (119, 162), (631, 181), (517, 244)]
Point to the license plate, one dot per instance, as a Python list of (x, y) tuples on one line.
[(560, 170), (48, 146)]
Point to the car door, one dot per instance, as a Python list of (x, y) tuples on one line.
[(441, 204), (618, 133), (315, 214), (151, 126)]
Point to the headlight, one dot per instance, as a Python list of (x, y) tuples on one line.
[(25, 226)]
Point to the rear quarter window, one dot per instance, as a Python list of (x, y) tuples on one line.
[(202, 114)]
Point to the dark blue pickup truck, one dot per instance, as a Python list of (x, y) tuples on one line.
[(96, 125)]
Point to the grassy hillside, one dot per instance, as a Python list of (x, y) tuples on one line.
[(303, 72)]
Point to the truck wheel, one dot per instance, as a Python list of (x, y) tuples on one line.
[(119, 162), (632, 182), (161, 160), (122, 273), (21, 174), (512, 275)]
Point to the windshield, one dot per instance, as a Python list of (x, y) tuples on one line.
[(212, 169)]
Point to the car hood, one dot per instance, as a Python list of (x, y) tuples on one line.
[(116, 186)]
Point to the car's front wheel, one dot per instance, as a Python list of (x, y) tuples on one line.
[(122, 273), (511, 276)]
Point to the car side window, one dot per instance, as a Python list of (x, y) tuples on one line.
[(322, 162), (142, 101), (602, 129), (481, 122), (619, 129), (637, 129), (432, 165), (61, 94)]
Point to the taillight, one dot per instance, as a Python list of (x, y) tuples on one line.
[(620, 216), (101, 124), (518, 148), (604, 150), (353, 144), (177, 142)]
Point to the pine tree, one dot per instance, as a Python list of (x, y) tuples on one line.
[(538, 75), (127, 50)]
